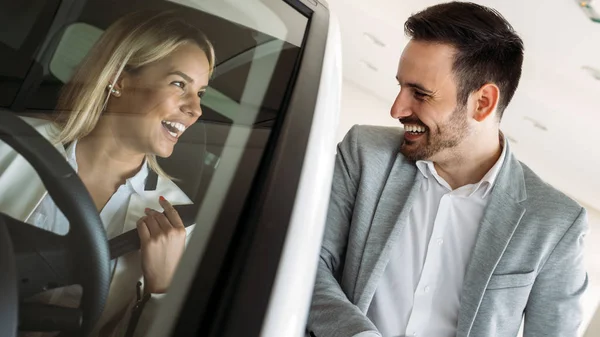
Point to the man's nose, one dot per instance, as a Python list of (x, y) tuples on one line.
[(401, 107)]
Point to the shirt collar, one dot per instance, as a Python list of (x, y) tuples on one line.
[(426, 168), (137, 182), (490, 177)]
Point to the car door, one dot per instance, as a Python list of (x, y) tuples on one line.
[(257, 165)]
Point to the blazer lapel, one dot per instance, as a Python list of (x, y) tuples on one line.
[(388, 221), (500, 220)]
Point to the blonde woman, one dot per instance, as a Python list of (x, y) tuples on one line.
[(130, 99)]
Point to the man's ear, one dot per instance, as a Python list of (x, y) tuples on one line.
[(486, 101)]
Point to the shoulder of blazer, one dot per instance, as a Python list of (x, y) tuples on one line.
[(44, 126), (378, 137), (545, 199), (378, 143)]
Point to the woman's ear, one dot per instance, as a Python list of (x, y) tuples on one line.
[(120, 84), (116, 89)]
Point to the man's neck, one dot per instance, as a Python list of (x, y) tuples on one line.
[(468, 163)]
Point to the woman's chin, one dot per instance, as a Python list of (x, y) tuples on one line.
[(164, 151), (164, 155)]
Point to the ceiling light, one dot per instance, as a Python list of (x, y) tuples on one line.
[(589, 9), (594, 72), (369, 65), (536, 124), (374, 40)]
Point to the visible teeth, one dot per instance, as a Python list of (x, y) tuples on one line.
[(176, 125), (173, 134), (414, 128)]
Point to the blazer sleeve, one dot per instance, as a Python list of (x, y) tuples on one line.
[(331, 313), (553, 308)]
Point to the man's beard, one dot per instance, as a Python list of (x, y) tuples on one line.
[(447, 136)]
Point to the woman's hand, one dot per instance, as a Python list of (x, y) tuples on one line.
[(162, 237)]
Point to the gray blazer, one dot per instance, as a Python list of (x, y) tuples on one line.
[(527, 259)]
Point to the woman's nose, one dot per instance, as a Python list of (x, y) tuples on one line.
[(192, 106)]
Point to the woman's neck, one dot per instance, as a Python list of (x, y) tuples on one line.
[(103, 157)]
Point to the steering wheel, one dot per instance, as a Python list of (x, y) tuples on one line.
[(33, 260)]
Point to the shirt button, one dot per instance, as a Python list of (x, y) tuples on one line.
[(426, 289), (440, 241)]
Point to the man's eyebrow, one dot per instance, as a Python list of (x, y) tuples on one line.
[(185, 77), (416, 86)]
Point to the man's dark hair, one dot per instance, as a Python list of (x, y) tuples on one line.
[(488, 49)]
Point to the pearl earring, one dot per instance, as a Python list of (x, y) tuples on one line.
[(113, 91)]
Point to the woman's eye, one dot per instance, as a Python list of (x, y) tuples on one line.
[(179, 84)]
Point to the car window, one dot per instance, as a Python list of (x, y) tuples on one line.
[(240, 108), (22, 27), (218, 160)]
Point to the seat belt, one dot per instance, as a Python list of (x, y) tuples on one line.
[(130, 241)]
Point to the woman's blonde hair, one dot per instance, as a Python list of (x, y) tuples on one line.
[(131, 42)]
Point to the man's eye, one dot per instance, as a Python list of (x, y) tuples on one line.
[(179, 84), (201, 94), (419, 95)]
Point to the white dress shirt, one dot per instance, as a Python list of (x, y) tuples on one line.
[(419, 292), (47, 216)]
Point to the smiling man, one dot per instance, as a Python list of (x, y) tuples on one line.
[(437, 229)]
